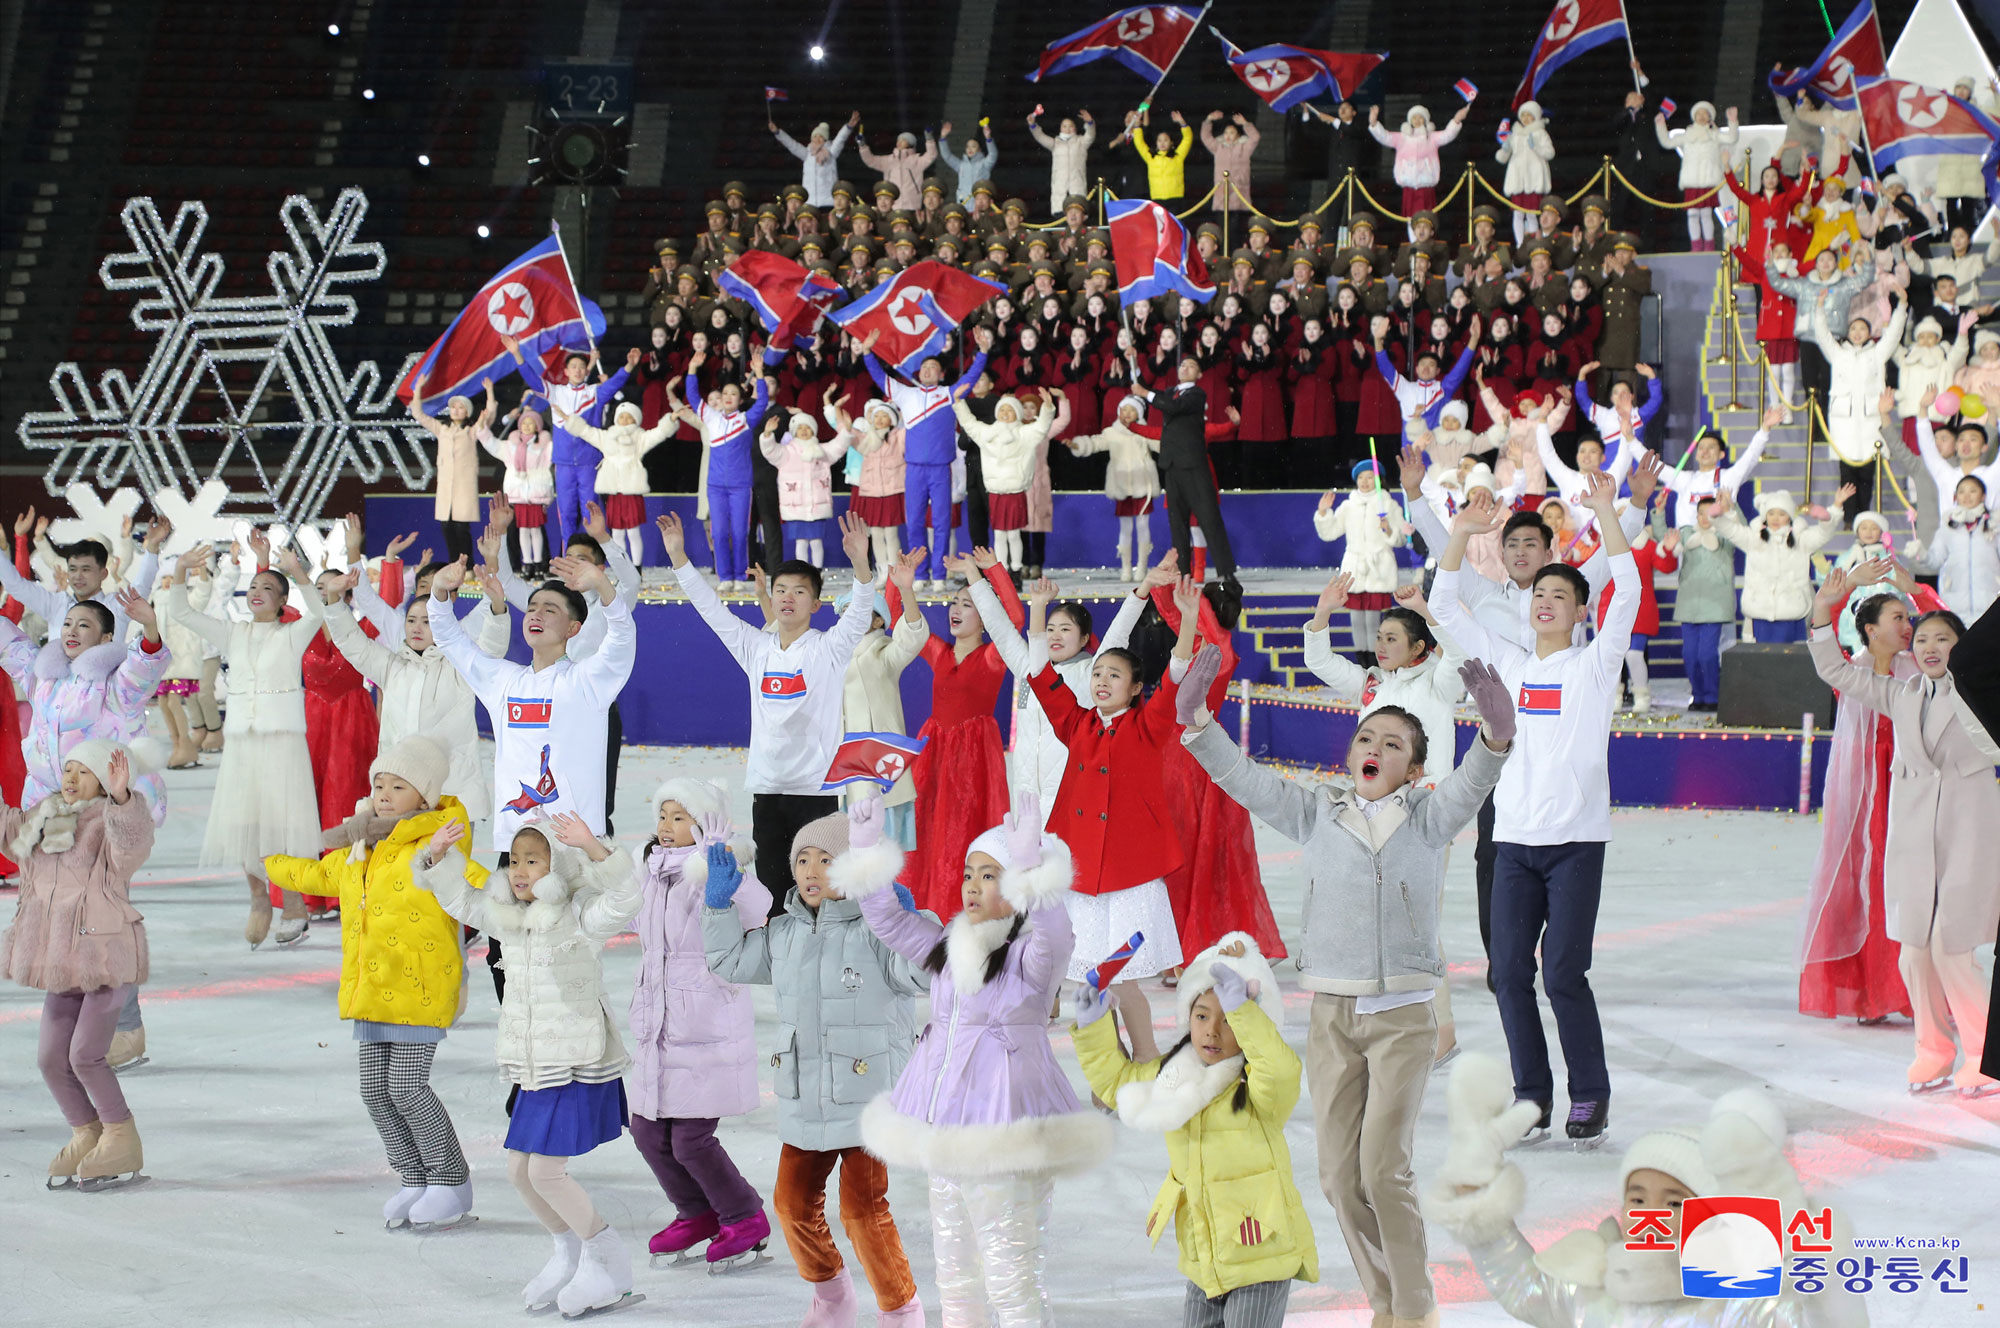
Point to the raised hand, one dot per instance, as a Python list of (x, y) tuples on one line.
[(579, 574), (864, 822), (1491, 697), (139, 611), (440, 844), (156, 534), (260, 544), (1410, 460), (396, 545), (447, 579), (1832, 591), (1187, 596), (594, 524), (1843, 493), (489, 544), (671, 535), (1644, 477), (572, 830), (1334, 597), (1773, 417), (854, 543), (1163, 573), (1022, 830), (24, 523), (903, 571), (1191, 701), (1600, 495), (983, 557), (288, 563), (118, 776), (1411, 597), (1231, 988)]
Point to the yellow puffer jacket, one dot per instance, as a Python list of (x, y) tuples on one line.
[(1236, 1212), (400, 961), (1166, 173)]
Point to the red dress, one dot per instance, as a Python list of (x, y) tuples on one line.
[(340, 735), (13, 766), (961, 774), (1219, 887)]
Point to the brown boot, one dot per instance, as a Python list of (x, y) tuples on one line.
[(116, 1159), (82, 1138), (259, 925)]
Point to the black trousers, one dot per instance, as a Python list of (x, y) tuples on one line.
[(774, 819), (493, 955), (978, 514), (1192, 492), (1863, 480), (768, 549), (614, 743), (458, 541), (1482, 874), (1814, 371), (1034, 547)]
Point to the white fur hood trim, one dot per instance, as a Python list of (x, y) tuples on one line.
[(861, 872), (93, 665), (1183, 1088), (1199, 977), (1062, 1145), (569, 871), (1028, 887), (968, 945)]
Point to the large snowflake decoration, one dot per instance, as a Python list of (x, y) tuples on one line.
[(235, 381)]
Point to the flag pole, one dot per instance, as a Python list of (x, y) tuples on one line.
[(555, 229), (1631, 50), (1147, 101)]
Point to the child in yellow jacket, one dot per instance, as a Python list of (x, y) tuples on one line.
[(1221, 1097), (401, 971)]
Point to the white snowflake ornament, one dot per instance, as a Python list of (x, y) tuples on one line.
[(96, 518)]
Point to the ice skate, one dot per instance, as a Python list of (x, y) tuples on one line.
[(259, 925), (1539, 1132), (1589, 1124), (292, 923), (679, 1237), (1642, 701), (541, 1291), (442, 1207), (115, 1162), (740, 1245), (603, 1278), (832, 1303), (1929, 1075), (903, 1316), (396, 1212), (128, 1050), (1984, 1088), (82, 1138), (1921, 1087)]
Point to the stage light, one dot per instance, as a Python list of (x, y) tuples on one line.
[(423, 159), (485, 231), (818, 52), (333, 29), (368, 94)]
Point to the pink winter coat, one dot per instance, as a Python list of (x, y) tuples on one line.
[(1233, 159), (694, 1043), (1416, 154), (102, 693), (984, 1095), (805, 473), (75, 928)]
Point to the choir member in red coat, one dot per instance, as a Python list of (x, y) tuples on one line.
[(1315, 422), (1260, 401)]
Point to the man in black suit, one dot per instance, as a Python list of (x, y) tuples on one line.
[(1184, 470), (1638, 154)]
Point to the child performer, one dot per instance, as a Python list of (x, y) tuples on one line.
[(1008, 448), (797, 683), (401, 972), (693, 1033), (1552, 808), (1370, 1049), (1131, 482), (877, 496), (1572, 485), (557, 1041), (850, 999), (991, 1116), (621, 475), (1653, 552), (930, 442), (805, 482), (1221, 1097), (1940, 892), (1372, 524), (575, 463), (528, 481), (1704, 603), (264, 799), (726, 431), (1777, 562), (77, 847), (1112, 813)]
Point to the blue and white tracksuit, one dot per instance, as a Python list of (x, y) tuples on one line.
[(1416, 395), (575, 461), (730, 438), (930, 445)]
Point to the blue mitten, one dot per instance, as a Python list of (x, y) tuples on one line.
[(723, 875), (905, 898), (1231, 990)]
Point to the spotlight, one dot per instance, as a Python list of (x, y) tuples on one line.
[(333, 29), (423, 159), (368, 94), (485, 232), (818, 52)]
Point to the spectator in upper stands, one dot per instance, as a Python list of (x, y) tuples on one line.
[(903, 166), (1837, 132), (1416, 146), (1343, 142), (1639, 159), (1231, 149), (1961, 183), (1825, 286), (820, 156), (1067, 151), (977, 163), (1527, 151), (1701, 147), (1166, 163)]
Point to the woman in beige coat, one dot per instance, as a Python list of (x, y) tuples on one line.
[(1231, 149), (872, 693), (1941, 896), (457, 465)]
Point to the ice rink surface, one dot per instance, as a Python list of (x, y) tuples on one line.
[(267, 1178)]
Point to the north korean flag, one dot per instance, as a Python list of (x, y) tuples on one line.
[(532, 299), (783, 686), (915, 312), (877, 758), (1285, 75), (1145, 40), (1151, 249), (788, 298), (1541, 698), (1575, 26), (1911, 120), (1854, 57), (529, 712)]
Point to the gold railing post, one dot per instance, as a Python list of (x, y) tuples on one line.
[(1812, 413)]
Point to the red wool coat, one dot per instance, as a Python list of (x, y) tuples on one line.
[(1119, 831), (1312, 391)]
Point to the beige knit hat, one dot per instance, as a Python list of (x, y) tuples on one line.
[(418, 762), (829, 832)]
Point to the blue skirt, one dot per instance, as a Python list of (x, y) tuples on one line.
[(567, 1121)]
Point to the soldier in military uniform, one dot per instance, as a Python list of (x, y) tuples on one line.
[(1096, 250), (1308, 296), (1370, 291), (1485, 229), (794, 198), (1271, 265), (838, 215), (660, 279), (947, 249), (1562, 253), (1424, 237), (1312, 240), (1547, 288), (769, 238), (929, 216), (983, 218), (736, 198), (1100, 278), (1074, 232), (1430, 288), (712, 243), (1593, 242), (1361, 235), (1625, 283)]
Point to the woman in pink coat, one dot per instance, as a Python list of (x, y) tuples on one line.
[(694, 1045), (983, 1106), (1416, 146), (77, 938)]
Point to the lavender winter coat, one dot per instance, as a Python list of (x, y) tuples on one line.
[(983, 1095), (694, 1043), (102, 693)]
